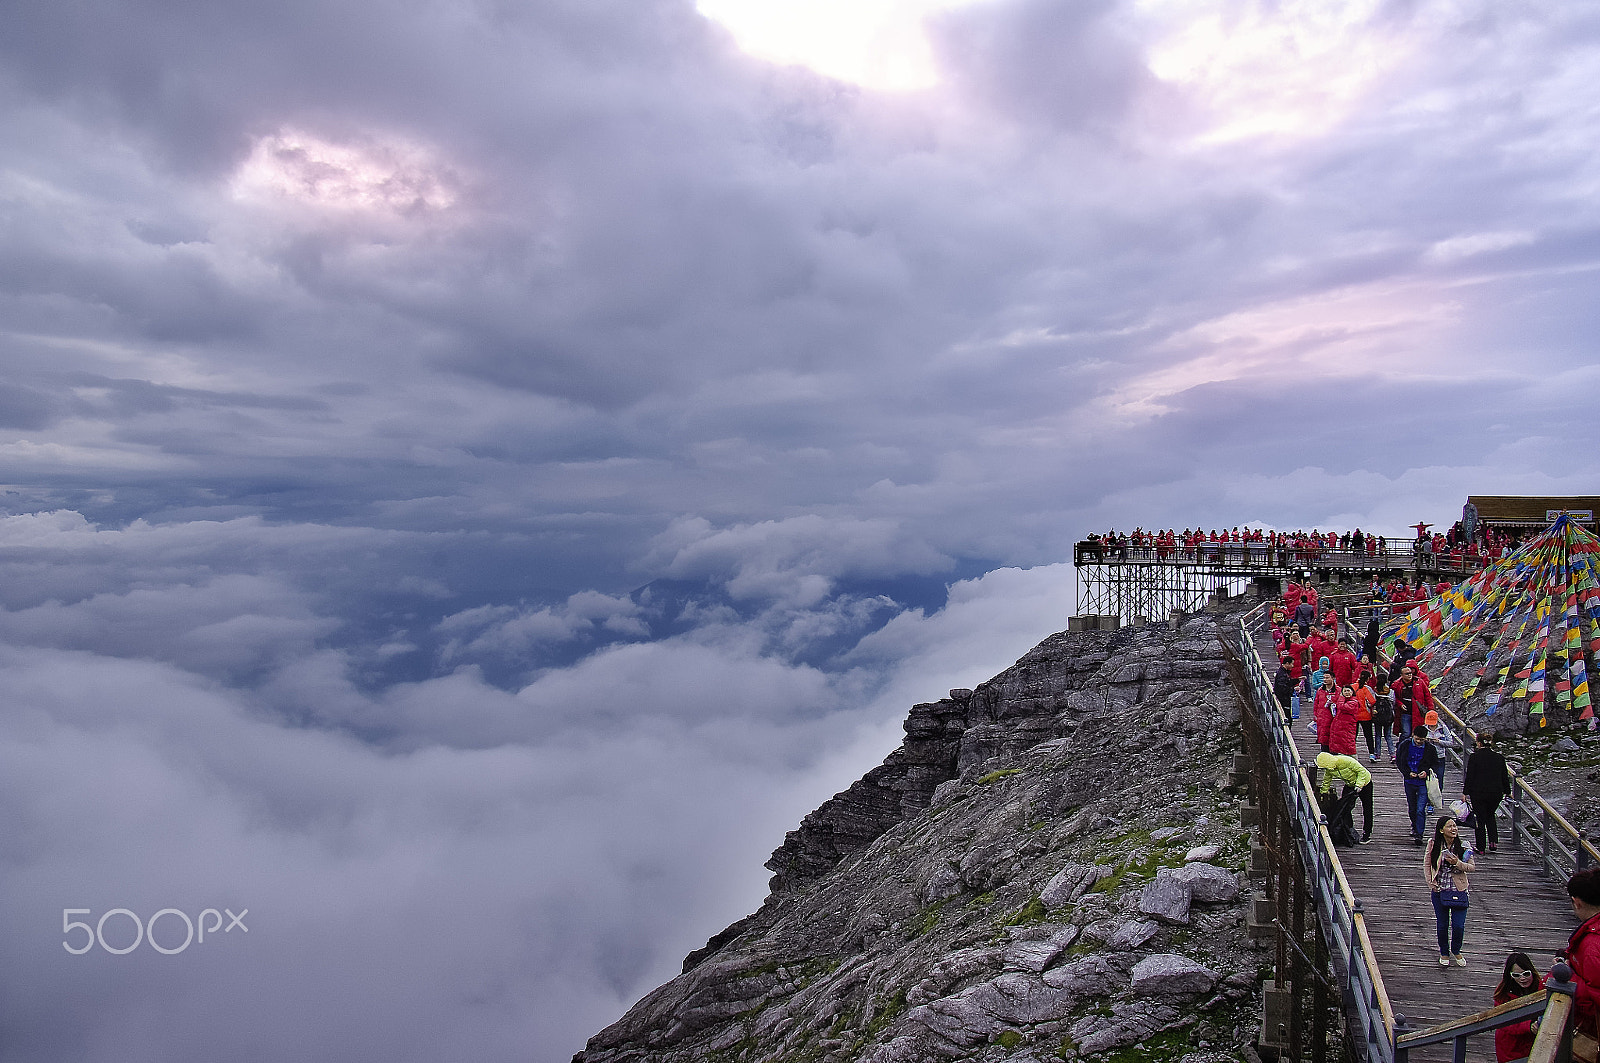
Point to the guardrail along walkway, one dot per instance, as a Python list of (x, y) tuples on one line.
[(1514, 908)]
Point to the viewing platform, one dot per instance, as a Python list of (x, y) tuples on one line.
[(1145, 580)]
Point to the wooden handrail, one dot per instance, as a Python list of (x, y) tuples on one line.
[(1552, 1028), (1448, 1029), (1381, 991)]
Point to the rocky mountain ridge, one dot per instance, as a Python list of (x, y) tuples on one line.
[(1047, 868)]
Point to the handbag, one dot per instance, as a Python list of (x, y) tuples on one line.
[(1445, 895)]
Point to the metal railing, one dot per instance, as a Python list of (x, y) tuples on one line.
[(1392, 558), (1558, 845), (1350, 947)]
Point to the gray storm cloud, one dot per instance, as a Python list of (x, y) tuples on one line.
[(475, 474)]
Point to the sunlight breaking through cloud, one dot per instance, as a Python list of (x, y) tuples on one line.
[(294, 165)]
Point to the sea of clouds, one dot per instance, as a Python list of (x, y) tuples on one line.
[(474, 474)]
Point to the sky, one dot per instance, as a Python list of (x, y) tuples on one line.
[(473, 473)]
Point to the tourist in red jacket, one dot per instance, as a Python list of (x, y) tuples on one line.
[(1413, 696), (1343, 726), (1345, 664), (1583, 951), (1518, 979), (1322, 707)]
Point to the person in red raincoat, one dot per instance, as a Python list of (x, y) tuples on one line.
[(1322, 706), (1583, 952), (1343, 727)]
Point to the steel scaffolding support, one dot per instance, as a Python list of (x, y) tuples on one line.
[(1151, 591), (1144, 580)]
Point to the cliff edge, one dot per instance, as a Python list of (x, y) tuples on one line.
[(1047, 868)]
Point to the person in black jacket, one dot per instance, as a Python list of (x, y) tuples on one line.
[(1283, 684), (1369, 644), (1415, 758), (1486, 783)]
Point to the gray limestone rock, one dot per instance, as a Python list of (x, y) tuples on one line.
[(1070, 883), (1035, 956), (1170, 975), (1202, 853), (1087, 976), (1207, 883), (1167, 899), (1127, 1024), (1132, 934), (944, 882), (987, 866)]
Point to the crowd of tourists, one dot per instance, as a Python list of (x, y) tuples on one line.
[(1359, 700), (1453, 547), (1198, 542)]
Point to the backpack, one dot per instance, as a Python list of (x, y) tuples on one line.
[(1383, 711), (1341, 819)]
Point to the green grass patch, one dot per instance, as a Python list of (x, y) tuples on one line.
[(1032, 912), (928, 918), (1167, 1045), (1009, 1040), (888, 1009), (982, 900), (996, 776)]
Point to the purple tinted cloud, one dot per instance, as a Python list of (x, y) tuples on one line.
[(475, 474)]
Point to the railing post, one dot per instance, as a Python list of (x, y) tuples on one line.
[(1581, 855), (1544, 840), (1401, 1028), (1351, 982), (1559, 983), (1516, 811)]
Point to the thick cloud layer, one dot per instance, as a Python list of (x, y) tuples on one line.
[(476, 473)]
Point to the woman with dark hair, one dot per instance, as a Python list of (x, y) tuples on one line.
[(1518, 979), (1445, 867)]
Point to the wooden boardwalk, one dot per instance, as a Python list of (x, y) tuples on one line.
[(1514, 908)]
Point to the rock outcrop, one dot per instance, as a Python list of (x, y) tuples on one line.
[(1047, 868)]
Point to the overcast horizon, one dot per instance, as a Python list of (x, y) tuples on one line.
[(477, 472)]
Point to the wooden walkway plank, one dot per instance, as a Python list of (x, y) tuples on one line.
[(1514, 908)]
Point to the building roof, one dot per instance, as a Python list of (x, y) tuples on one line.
[(1531, 510)]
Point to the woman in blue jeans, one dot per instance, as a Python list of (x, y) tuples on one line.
[(1445, 866)]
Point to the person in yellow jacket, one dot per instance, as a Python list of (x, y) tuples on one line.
[(1352, 773)]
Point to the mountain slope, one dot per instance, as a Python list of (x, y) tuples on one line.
[(1011, 882)]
